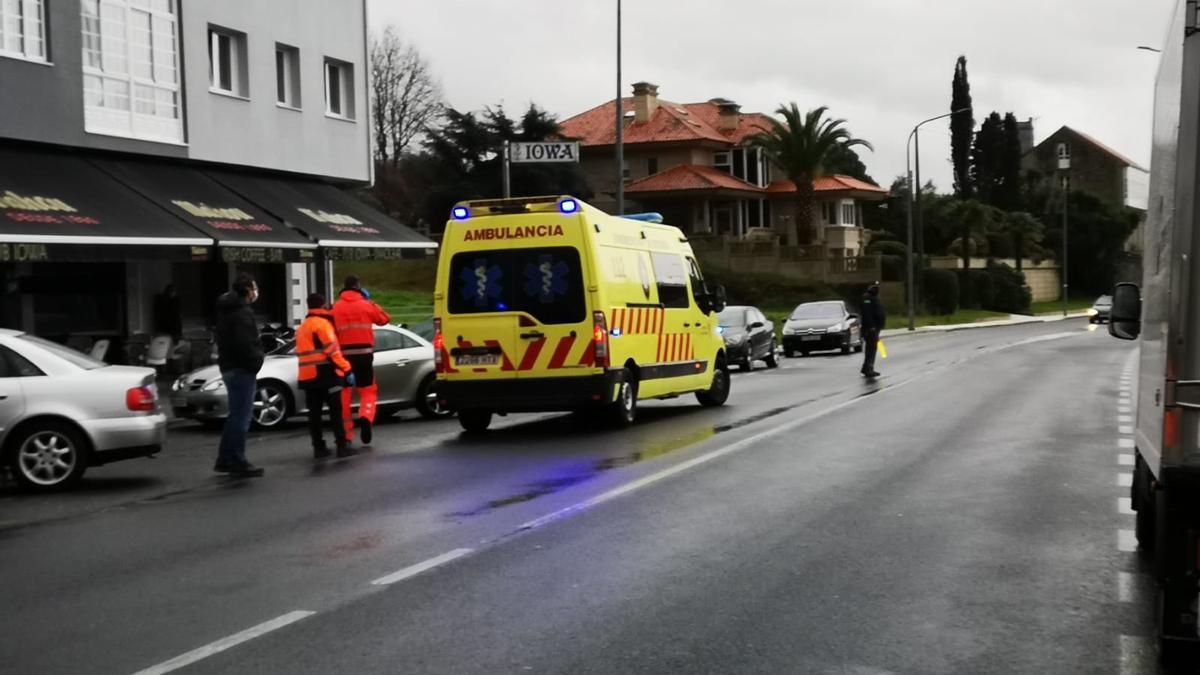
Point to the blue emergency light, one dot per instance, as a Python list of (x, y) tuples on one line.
[(568, 206), (460, 212)]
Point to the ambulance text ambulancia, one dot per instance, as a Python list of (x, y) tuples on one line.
[(547, 304)]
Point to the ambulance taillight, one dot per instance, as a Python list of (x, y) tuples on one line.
[(600, 339), (439, 347)]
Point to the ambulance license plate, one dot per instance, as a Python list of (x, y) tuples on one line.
[(478, 359)]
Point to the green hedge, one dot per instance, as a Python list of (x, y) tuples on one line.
[(766, 290), (996, 288), (940, 291), (888, 247)]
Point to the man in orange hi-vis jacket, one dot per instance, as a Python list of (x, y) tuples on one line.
[(323, 371), (356, 316)]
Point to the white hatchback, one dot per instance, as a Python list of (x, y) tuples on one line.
[(62, 411)]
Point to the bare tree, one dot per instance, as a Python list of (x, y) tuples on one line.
[(406, 98)]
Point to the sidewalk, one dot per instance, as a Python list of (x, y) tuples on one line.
[(1013, 320)]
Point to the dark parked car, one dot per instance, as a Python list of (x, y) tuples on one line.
[(1100, 309), (814, 326), (749, 336)]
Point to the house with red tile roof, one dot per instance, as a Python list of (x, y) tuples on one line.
[(1095, 168), (692, 162)]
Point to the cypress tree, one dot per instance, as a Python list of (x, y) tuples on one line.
[(962, 127)]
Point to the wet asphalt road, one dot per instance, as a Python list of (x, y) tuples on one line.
[(961, 514)]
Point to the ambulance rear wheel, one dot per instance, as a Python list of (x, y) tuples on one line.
[(475, 421), (623, 411)]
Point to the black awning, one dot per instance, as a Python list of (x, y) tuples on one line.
[(332, 218), (49, 198), (211, 208)]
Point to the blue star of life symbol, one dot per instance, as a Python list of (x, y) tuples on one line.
[(546, 279), (480, 282)]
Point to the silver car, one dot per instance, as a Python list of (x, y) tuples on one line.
[(62, 411), (404, 371)]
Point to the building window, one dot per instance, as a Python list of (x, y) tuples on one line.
[(721, 162), (23, 29), (739, 163), (848, 215), (227, 62), (339, 89), (131, 69), (287, 76), (651, 166)]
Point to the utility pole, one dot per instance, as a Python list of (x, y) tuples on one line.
[(620, 124), (507, 181), (1066, 185)]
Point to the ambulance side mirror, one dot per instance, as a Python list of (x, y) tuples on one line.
[(718, 299)]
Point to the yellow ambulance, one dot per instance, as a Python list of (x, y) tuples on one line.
[(547, 303)]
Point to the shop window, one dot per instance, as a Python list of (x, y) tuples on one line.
[(339, 89), (287, 76), (23, 29), (227, 62)]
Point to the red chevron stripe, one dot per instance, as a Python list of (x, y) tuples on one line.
[(561, 352), (532, 353), (589, 357), (642, 313), (619, 319), (659, 357)]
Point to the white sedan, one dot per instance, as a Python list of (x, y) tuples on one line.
[(404, 371), (62, 411)]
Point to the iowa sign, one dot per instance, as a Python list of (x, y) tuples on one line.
[(527, 153)]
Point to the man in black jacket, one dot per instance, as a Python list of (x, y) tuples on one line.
[(873, 321), (239, 356)]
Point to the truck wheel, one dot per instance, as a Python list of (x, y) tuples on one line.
[(475, 421), (717, 392), (1142, 500), (623, 411)]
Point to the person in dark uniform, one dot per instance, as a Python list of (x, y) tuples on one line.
[(873, 321)]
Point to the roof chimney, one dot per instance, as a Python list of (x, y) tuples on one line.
[(645, 101), (730, 114)]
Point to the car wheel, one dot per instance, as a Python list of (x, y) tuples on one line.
[(623, 411), (48, 456), (770, 359), (803, 352), (717, 392), (272, 405), (788, 353), (427, 402), (475, 421), (746, 365)]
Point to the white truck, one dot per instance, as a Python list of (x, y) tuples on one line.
[(1164, 315)]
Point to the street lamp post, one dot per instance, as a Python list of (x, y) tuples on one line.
[(914, 198), (620, 142)]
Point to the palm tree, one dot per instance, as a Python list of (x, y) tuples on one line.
[(799, 146)]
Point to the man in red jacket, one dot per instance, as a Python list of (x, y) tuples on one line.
[(355, 317)]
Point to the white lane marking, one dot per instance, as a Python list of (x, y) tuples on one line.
[(1125, 460), (1125, 429), (1124, 480), (1137, 655), (225, 643), (751, 440), (1125, 506), (1124, 409), (414, 570), (1125, 585), (1125, 419), (1126, 443), (1126, 541)]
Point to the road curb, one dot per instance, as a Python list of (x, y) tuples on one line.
[(1022, 320)]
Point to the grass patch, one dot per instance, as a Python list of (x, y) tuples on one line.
[(1055, 306), (404, 306)]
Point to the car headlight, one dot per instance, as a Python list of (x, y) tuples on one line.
[(736, 339), (788, 330), (1092, 311), (214, 385), (179, 383), (835, 328)]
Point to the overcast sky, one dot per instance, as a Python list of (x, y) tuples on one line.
[(883, 65)]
